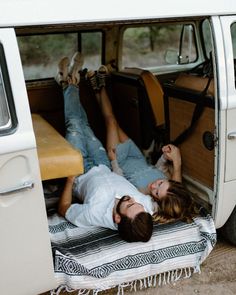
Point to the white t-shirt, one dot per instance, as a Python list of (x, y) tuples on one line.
[(98, 190)]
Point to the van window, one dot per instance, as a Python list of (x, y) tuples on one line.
[(158, 45), (40, 53), (207, 37), (91, 47), (233, 34), (8, 119), (4, 110)]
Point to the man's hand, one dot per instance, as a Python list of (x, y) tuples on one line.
[(111, 154)]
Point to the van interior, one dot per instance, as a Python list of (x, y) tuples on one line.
[(162, 90)]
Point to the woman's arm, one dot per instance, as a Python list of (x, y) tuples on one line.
[(164, 166), (172, 153), (66, 197)]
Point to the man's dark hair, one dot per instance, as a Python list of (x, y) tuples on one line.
[(138, 229)]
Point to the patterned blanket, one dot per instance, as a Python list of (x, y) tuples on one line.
[(95, 259)]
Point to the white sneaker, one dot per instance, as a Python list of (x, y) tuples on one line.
[(62, 72), (75, 66)]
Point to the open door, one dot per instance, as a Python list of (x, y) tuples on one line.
[(225, 30), (26, 265), (228, 24)]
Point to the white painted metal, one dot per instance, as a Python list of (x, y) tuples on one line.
[(226, 178), (230, 161), (27, 12), (26, 265)]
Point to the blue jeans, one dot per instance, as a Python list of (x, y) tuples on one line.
[(79, 133)]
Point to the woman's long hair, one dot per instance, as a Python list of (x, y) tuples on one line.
[(178, 204)]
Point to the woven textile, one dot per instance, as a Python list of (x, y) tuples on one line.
[(97, 259)]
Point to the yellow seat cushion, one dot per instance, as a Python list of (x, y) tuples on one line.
[(57, 158)]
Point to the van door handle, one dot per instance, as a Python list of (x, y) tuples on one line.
[(232, 135), (24, 186)]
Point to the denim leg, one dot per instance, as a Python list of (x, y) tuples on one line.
[(78, 131), (72, 105), (96, 150), (75, 118)]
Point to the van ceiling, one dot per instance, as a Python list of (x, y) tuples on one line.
[(31, 30)]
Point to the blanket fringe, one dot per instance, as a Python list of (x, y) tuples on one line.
[(169, 277), (61, 288)]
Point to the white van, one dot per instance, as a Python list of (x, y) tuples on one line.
[(186, 45)]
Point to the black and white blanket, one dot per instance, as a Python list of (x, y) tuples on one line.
[(95, 259)]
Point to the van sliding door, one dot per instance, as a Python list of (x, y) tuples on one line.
[(225, 41), (228, 24), (26, 265)]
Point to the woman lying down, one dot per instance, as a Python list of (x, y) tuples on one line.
[(136, 193)]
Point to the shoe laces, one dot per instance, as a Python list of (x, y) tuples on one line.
[(92, 78), (102, 76)]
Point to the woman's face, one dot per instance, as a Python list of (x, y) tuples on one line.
[(158, 188)]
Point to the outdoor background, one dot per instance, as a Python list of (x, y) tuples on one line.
[(142, 47)]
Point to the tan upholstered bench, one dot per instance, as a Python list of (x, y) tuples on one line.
[(195, 82), (57, 158)]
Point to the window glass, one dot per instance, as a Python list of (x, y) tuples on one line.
[(4, 110), (187, 53), (233, 34), (91, 46), (207, 37), (40, 53), (157, 45), (8, 119)]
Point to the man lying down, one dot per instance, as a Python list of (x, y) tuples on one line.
[(108, 199)]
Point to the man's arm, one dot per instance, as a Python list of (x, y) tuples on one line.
[(114, 164), (116, 168), (66, 197)]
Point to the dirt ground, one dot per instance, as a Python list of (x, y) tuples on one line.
[(217, 277)]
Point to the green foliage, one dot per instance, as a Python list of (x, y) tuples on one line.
[(91, 43), (151, 38), (41, 49)]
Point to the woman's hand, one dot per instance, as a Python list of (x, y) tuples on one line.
[(172, 153)]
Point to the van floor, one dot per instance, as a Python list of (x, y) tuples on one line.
[(218, 276)]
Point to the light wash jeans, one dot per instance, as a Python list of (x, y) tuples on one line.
[(79, 133)]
